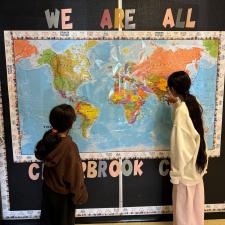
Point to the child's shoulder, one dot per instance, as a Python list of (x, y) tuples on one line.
[(181, 111), (73, 146)]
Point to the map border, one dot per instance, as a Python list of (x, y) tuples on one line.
[(111, 35)]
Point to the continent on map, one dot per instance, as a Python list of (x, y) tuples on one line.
[(212, 46), (23, 49), (88, 114), (70, 68), (132, 97), (135, 82), (163, 62)]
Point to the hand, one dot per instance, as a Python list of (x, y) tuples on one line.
[(170, 99)]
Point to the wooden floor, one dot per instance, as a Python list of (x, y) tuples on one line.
[(207, 222)]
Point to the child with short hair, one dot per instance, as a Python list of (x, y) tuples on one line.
[(63, 186)]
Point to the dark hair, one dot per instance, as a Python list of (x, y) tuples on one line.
[(181, 83), (61, 118)]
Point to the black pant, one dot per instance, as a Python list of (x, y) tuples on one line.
[(56, 209)]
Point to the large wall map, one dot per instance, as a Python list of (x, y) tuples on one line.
[(116, 83)]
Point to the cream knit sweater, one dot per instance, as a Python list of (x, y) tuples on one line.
[(185, 142)]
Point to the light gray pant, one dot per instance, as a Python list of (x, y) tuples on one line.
[(188, 204)]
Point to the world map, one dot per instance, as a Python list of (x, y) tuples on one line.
[(116, 87)]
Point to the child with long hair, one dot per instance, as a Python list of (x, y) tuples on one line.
[(188, 152), (63, 186)]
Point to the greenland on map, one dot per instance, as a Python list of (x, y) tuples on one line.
[(116, 82)]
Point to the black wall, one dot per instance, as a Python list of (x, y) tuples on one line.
[(149, 189)]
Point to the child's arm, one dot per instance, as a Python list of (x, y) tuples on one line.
[(75, 178), (181, 152)]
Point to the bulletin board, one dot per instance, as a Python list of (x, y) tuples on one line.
[(113, 72)]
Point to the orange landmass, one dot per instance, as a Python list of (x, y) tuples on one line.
[(163, 62), (23, 49)]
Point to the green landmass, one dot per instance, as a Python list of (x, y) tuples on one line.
[(212, 47)]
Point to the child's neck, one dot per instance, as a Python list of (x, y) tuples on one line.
[(63, 134), (181, 97)]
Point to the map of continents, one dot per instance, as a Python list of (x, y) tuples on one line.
[(116, 88), (70, 70)]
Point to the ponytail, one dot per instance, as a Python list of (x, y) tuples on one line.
[(195, 112), (49, 141), (181, 82)]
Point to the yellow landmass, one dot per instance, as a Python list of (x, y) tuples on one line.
[(162, 85), (125, 50), (89, 111), (89, 44), (117, 96), (134, 98), (73, 69), (63, 64), (89, 114)]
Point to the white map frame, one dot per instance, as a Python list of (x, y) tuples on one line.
[(108, 35)]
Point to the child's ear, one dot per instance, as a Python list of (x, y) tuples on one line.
[(173, 92)]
